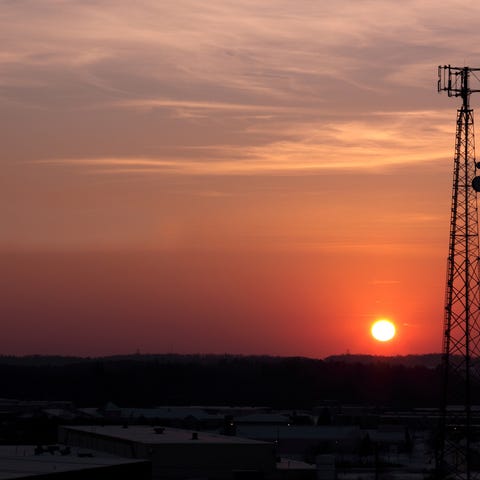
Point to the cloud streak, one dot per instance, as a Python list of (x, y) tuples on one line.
[(383, 140), (285, 53), (163, 90)]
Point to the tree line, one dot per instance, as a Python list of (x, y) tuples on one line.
[(278, 382)]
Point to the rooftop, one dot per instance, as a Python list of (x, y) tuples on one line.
[(148, 435), (266, 432), (290, 464), (20, 461)]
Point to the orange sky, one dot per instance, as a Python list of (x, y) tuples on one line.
[(226, 177)]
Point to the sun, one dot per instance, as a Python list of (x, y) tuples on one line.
[(383, 330)]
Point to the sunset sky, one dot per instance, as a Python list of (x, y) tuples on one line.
[(226, 176)]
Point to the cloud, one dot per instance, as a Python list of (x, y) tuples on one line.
[(192, 105), (381, 141), (161, 91), (279, 53), (385, 282)]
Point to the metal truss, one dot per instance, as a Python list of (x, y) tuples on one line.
[(459, 440)]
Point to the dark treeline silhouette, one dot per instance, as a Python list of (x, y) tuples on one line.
[(431, 360), (279, 382)]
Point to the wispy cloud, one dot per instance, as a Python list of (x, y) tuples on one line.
[(146, 104), (382, 141), (224, 88), (385, 282), (286, 53)]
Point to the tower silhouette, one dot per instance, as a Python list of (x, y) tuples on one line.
[(458, 454)]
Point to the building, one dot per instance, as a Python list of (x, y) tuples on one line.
[(57, 462), (176, 453), (304, 441)]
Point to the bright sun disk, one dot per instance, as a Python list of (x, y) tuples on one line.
[(383, 330)]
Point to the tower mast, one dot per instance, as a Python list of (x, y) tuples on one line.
[(458, 454)]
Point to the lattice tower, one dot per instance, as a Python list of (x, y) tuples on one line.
[(458, 455)]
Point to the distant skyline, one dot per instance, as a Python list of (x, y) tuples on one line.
[(211, 177)]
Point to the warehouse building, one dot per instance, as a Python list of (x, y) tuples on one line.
[(176, 453), (58, 462)]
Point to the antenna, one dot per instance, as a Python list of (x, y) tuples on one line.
[(458, 455), (455, 81)]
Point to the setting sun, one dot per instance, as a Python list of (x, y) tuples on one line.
[(383, 330)]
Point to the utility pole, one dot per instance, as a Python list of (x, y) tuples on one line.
[(459, 448)]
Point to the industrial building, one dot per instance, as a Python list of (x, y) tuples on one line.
[(176, 453), (58, 462)]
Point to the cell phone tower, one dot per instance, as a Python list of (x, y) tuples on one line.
[(458, 455)]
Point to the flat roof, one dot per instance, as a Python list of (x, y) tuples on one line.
[(166, 413), (290, 464), (20, 461), (147, 435), (300, 432), (262, 417)]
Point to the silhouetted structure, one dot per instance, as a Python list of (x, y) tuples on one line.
[(458, 454), (177, 454)]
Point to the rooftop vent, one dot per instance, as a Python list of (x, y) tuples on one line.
[(194, 435)]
